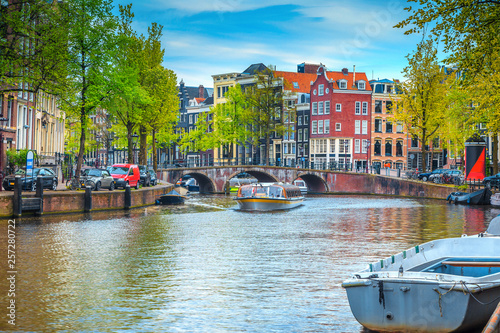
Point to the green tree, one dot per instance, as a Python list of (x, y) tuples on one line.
[(420, 104), (264, 113), (468, 29), (33, 39), (91, 50), (127, 97)]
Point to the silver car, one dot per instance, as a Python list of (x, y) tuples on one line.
[(97, 179)]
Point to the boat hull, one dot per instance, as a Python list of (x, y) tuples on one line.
[(481, 197), (171, 200), (267, 204), (416, 306)]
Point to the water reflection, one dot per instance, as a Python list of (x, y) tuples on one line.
[(207, 267)]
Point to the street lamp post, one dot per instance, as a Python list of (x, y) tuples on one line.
[(367, 153), (345, 154), (134, 142)]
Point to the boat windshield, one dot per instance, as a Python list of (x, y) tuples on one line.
[(246, 191), (276, 192)]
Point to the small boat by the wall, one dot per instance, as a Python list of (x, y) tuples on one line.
[(268, 196), (495, 199), (481, 197), (171, 198), (446, 285), (301, 184)]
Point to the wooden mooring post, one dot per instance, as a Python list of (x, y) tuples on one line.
[(21, 204)]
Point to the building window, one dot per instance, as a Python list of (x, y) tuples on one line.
[(364, 127), (327, 107), (338, 107), (399, 127), (358, 108), (296, 85), (292, 133), (306, 134), (314, 127), (356, 145), (327, 126), (315, 108), (376, 148), (365, 108), (388, 107), (306, 119), (378, 106), (299, 135), (321, 90), (388, 148), (435, 143), (414, 142), (332, 146), (343, 84), (299, 120), (388, 126), (338, 127), (320, 107), (320, 127), (378, 125), (364, 146), (361, 85), (357, 127), (190, 118), (399, 148)]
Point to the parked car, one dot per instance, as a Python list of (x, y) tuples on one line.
[(493, 181), (49, 179), (97, 179), (124, 174), (425, 176), (145, 176), (154, 179)]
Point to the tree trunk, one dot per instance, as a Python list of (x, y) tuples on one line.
[(155, 163), (143, 154), (81, 152), (494, 153), (130, 145)]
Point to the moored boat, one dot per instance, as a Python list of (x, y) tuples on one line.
[(301, 184), (446, 285), (171, 198), (495, 199), (268, 196), (481, 197)]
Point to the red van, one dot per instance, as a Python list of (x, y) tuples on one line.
[(124, 174)]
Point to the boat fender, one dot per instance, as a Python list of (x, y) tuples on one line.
[(456, 201), (381, 296), (448, 197), (468, 200)]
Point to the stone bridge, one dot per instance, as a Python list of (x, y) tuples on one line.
[(216, 180)]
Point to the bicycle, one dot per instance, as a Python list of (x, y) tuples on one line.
[(73, 183)]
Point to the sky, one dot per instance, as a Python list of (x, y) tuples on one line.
[(202, 38)]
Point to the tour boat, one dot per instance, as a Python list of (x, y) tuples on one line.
[(268, 196), (301, 184), (495, 199), (446, 285)]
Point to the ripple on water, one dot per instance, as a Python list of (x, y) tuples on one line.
[(208, 267)]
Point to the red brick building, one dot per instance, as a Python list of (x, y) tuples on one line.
[(340, 120)]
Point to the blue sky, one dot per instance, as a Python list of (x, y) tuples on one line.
[(203, 37)]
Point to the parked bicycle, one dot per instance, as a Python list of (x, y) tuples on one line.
[(412, 174)]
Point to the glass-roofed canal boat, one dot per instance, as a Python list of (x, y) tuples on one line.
[(268, 196)]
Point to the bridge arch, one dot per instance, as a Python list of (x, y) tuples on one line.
[(260, 175), (314, 182), (206, 184)]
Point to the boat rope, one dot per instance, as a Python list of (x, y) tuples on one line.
[(440, 295), (464, 284), (381, 296)]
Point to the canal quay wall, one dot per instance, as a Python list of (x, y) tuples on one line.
[(65, 201)]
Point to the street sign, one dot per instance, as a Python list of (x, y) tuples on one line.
[(29, 163)]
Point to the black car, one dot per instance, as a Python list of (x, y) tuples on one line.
[(49, 179), (154, 179), (425, 176), (145, 176), (493, 181)]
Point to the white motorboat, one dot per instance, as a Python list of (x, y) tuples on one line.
[(495, 199), (301, 184), (446, 285), (268, 196)]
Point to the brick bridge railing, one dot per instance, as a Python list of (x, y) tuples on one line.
[(216, 180)]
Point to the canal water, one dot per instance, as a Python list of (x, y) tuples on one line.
[(207, 267)]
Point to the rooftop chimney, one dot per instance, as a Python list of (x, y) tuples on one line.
[(353, 75), (201, 91), (345, 71)]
